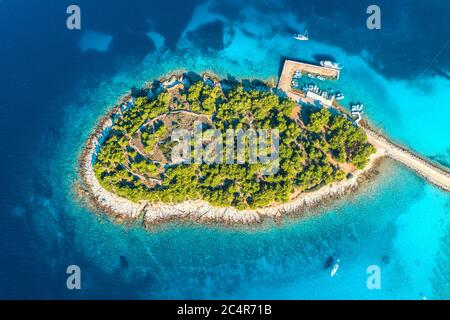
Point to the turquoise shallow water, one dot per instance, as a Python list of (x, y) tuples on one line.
[(396, 221)]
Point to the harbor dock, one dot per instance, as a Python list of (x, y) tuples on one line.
[(290, 67), (432, 172)]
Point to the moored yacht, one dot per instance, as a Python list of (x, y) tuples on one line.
[(331, 64), (297, 74), (339, 96)]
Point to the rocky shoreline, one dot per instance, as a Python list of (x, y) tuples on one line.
[(198, 211)]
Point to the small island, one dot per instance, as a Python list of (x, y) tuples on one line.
[(129, 170)]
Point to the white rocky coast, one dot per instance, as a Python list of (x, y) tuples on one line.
[(199, 210)]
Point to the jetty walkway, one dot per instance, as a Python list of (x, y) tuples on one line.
[(435, 174)]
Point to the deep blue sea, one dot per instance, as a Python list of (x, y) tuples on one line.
[(55, 83)]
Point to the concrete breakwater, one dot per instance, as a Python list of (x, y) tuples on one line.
[(433, 173)]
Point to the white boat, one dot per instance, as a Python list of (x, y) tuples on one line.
[(339, 96), (297, 74), (302, 37), (330, 64), (311, 75), (335, 268), (320, 78)]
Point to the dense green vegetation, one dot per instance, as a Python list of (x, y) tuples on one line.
[(151, 137), (310, 150)]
